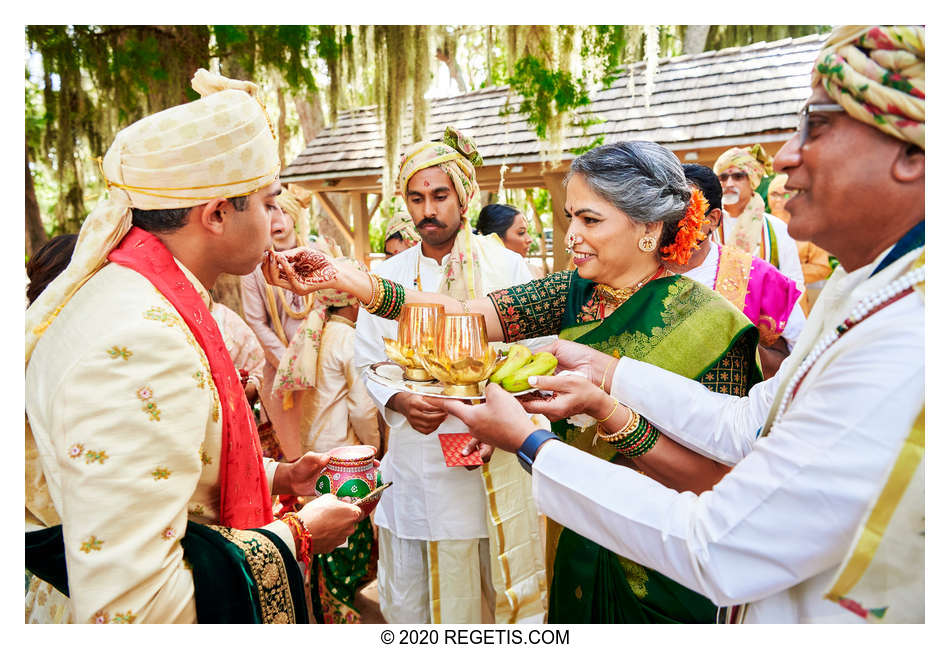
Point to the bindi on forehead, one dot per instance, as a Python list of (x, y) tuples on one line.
[(426, 183)]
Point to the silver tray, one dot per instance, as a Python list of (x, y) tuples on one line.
[(389, 374)]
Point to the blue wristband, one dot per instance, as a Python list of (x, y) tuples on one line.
[(529, 448)]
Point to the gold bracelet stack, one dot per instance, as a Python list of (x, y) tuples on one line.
[(637, 437), (386, 299), (375, 295), (633, 420)]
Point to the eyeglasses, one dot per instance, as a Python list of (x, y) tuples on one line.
[(808, 110), (737, 176)]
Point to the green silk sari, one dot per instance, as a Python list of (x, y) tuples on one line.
[(683, 327), (673, 323)]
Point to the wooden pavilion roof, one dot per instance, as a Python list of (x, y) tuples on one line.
[(703, 102)]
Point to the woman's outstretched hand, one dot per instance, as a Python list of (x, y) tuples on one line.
[(302, 270)]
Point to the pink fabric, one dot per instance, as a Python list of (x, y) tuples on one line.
[(245, 497), (770, 296)]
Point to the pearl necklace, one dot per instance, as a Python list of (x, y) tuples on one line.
[(866, 307)]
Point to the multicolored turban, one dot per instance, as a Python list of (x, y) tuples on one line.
[(402, 224), (457, 156), (877, 75), (298, 366), (753, 160), (220, 146)]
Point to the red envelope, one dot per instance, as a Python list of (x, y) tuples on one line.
[(452, 445)]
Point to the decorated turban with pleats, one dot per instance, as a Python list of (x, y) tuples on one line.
[(877, 75), (220, 146), (402, 224), (753, 160), (455, 154)]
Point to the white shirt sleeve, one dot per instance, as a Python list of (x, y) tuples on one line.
[(794, 326), (786, 512), (716, 425)]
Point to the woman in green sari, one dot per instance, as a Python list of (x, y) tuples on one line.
[(630, 209)]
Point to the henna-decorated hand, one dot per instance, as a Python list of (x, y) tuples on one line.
[(302, 270)]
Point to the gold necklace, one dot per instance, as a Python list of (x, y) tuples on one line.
[(617, 296)]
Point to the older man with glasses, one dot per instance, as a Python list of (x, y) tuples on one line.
[(745, 224), (821, 518)]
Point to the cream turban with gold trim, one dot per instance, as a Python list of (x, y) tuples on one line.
[(295, 202), (220, 146)]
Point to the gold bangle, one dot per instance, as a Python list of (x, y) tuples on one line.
[(465, 308), (378, 294), (632, 421), (372, 294), (616, 403), (603, 379)]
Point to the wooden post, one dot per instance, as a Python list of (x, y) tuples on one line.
[(554, 182), (361, 216), (337, 217)]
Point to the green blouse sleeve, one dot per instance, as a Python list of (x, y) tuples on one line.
[(533, 309)]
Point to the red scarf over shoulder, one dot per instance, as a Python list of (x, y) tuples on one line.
[(245, 497)]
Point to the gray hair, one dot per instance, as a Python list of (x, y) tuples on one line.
[(643, 180)]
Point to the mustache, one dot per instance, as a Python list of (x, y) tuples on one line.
[(430, 221)]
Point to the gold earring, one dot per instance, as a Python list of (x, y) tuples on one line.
[(647, 243)]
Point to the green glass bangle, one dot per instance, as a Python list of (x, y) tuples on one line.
[(400, 300), (639, 442), (387, 297)]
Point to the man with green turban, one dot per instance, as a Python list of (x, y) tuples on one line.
[(821, 518)]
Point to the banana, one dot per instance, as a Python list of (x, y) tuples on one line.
[(542, 364), (518, 356)]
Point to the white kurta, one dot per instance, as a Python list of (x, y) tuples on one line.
[(788, 260), (428, 500), (340, 412), (125, 477), (706, 273), (774, 530)]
